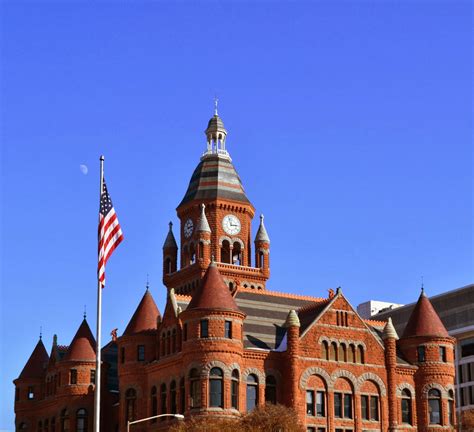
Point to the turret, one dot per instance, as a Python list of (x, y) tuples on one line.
[(390, 338), (28, 386), (262, 248), (170, 253), (203, 234), (216, 135), (292, 324), (426, 343)]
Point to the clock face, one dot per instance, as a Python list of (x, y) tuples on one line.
[(231, 224), (188, 228)]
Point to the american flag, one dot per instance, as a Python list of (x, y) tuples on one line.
[(110, 233)]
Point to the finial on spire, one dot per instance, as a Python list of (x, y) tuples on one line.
[(147, 281), (216, 101), (85, 312), (171, 225), (422, 286), (41, 332)]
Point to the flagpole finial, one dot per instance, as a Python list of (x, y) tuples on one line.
[(41, 332), (85, 312), (102, 157), (216, 101), (147, 282)]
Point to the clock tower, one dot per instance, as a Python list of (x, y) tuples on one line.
[(216, 222)]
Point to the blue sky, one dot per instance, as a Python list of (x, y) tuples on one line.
[(350, 124)]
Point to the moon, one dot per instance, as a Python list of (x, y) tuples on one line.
[(84, 169)]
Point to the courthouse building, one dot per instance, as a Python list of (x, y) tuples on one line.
[(224, 344)]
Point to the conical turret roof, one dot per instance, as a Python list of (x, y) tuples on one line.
[(83, 344), (424, 321), (170, 241), (203, 224), (36, 364), (145, 317), (213, 293), (389, 331), (262, 235)]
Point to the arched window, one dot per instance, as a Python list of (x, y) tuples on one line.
[(201, 250), (81, 420), (252, 392), (182, 396), (23, 427), (194, 390), (352, 353), (216, 387), (168, 342), (154, 403), (451, 408), (225, 252), (185, 257), (342, 356), (168, 265), (130, 404), (163, 398), (406, 407), (46, 425), (40, 426), (360, 354), (173, 401), (261, 259), (53, 424), (192, 254), (234, 389), (434, 406), (333, 351), (270, 390), (324, 350), (64, 420), (237, 254)]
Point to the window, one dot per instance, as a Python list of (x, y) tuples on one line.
[(451, 407), (154, 403), (467, 347), (352, 355), (320, 404), (122, 355), (31, 393), (333, 351), (53, 424), (194, 388), (182, 396), (46, 425), (73, 376), (173, 401), (421, 353), (130, 404), (163, 399), (40, 426), (92, 376), (22, 427), (310, 402), (234, 389), (81, 420), (64, 420), (434, 406), (369, 407), (374, 408), (442, 354), (342, 353), (324, 350), (252, 392), (216, 396), (185, 332), (360, 354), (141, 353), (270, 390), (228, 329), (406, 407), (204, 328), (342, 405)]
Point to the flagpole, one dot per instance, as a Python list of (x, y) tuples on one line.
[(99, 328)]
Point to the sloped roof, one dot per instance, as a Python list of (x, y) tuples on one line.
[(36, 364), (424, 321), (310, 312), (215, 177), (213, 293), (83, 344), (145, 317)]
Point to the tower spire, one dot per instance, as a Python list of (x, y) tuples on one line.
[(216, 134)]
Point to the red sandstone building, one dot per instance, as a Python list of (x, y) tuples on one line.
[(224, 344)]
